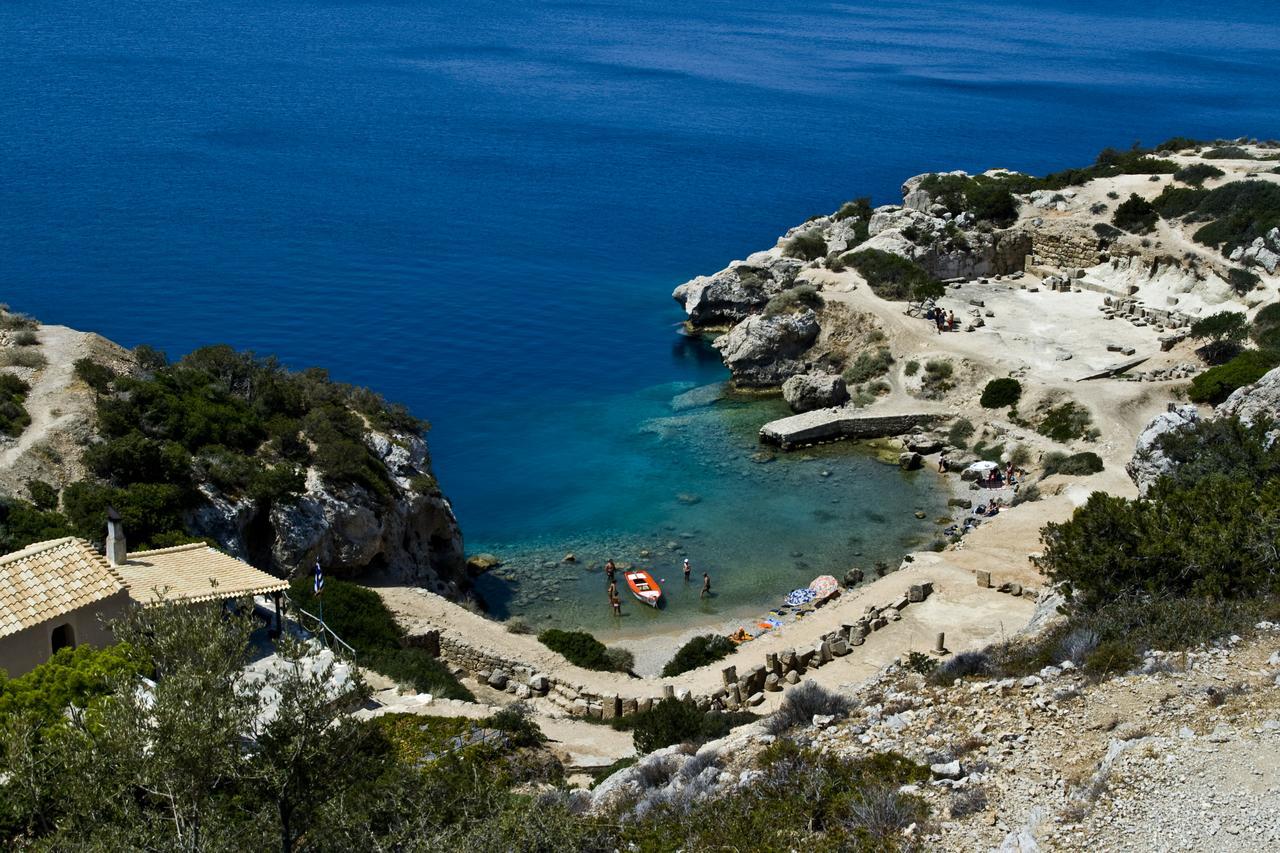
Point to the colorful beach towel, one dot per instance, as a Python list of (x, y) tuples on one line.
[(797, 597)]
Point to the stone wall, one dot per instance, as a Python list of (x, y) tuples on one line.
[(737, 690), (1064, 250)]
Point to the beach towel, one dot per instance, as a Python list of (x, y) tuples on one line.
[(797, 597)]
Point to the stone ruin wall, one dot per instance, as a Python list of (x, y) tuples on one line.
[(738, 690), (1064, 250)]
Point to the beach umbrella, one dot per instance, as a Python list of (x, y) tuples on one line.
[(982, 468), (798, 597), (824, 586)]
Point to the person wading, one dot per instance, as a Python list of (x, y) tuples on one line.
[(609, 569), (706, 585), (687, 569)]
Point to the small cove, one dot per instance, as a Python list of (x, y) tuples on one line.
[(684, 476)]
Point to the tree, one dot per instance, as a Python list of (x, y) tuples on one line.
[(1223, 333), (1136, 215)]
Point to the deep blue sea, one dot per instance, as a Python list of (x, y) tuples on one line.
[(481, 208)]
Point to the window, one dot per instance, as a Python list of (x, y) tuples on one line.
[(64, 637)]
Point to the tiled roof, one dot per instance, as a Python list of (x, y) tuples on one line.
[(48, 579), (187, 572)]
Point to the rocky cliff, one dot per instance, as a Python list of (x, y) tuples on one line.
[(412, 536)]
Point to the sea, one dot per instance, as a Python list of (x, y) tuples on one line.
[(480, 209)]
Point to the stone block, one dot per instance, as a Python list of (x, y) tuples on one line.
[(793, 677), (756, 699), (611, 707), (915, 593), (984, 579), (772, 683), (668, 692), (629, 707), (729, 675), (580, 708), (597, 710), (643, 705), (824, 651), (498, 680), (840, 648), (539, 683)]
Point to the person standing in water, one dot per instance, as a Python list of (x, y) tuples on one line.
[(706, 585), (609, 569), (687, 569), (615, 601)]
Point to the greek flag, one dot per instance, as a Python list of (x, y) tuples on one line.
[(319, 582)]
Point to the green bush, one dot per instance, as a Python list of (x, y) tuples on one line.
[(959, 433), (14, 417), (699, 651), (868, 365), (96, 376), (808, 246), (1197, 173), (1111, 657), (578, 647), (22, 524), (72, 676), (1216, 384), (794, 299), (1227, 152), (1242, 281), (43, 495), (937, 377), (1066, 422), (1077, 464), (1001, 393), (1106, 231), (22, 357), (911, 368), (674, 721), (861, 210), (1222, 332), (1235, 213), (355, 613), (1265, 325), (989, 200), (416, 669), (892, 277), (1136, 215)]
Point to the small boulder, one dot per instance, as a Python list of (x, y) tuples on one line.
[(947, 770), (478, 564), (809, 391), (910, 461)]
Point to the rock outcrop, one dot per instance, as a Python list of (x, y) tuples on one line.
[(409, 533), (1149, 463), (764, 351), (809, 391), (739, 290), (1259, 399)]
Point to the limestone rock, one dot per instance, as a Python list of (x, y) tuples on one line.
[(809, 391), (737, 291), (1262, 398), (764, 351), (1149, 462)]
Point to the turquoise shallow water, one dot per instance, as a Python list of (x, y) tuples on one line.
[(481, 208), (684, 479)]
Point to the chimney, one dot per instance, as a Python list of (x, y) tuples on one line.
[(117, 553)]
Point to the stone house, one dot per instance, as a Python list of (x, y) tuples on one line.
[(63, 592)]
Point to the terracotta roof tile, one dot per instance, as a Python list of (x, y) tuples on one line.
[(48, 579), (187, 573)]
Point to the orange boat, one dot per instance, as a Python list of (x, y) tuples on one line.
[(643, 587)]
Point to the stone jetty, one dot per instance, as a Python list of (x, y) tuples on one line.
[(841, 422)]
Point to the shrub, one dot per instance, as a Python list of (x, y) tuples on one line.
[(1242, 281), (1077, 464), (14, 417), (911, 368), (43, 495), (987, 199), (1227, 152), (868, 365), (859, 207), (1112, 656), (22, 357), (919, 662), (72, 676), (416, 669), (959, 433), (1106, 231), (96, 376), (355, 613), (516, 625), (1236, 213), (1216, 384), (700, 651), (674, 721), (578, 647), (1265, 324), (620, 659), (1001, 393), (25, 338), (1223, 332), (803, 702), (149, 358), (792, 300), (14, 322), (892, 277), (960, 666), (807, 245), (937, 377), (1197, 173), (1136, 215), (1066, 422)]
